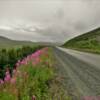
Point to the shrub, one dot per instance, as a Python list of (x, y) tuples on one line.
[(8, 58)]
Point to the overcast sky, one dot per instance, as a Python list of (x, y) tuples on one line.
[(48, 20)]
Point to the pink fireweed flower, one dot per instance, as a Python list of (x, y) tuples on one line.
[(34, 63), (14, 71), (13, 80), (33, 97), (18, 61), (7, 78), (38, 60), (37, 54), (1, 81), (17, 64), (24, 61), (7, 73), (91, 98)]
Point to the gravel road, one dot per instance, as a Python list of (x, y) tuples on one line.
[(81, 72)]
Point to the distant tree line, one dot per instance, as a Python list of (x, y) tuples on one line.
[(8, 58)]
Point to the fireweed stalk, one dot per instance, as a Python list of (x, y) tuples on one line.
[(33, 58)]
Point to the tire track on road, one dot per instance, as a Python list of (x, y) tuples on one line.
[(83, 75)]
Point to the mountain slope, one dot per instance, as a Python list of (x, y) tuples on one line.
[(88, 42), (6, 43)]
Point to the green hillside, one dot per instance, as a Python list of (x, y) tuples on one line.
[(87, 42), (8, 43)]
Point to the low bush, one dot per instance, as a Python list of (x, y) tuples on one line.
[(8, 58)]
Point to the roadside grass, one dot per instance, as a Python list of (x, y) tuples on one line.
[(87, 45), (34, 79), (88, 42)]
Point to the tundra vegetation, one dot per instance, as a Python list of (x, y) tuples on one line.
[(29, 74), (8, 57), (89, 42)]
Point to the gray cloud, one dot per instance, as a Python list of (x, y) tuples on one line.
[(48, 20)]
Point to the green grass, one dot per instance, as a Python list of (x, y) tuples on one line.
[(89, 42)]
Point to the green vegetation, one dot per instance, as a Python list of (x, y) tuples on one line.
[(27, 73), (34, 80), (87, 42), (8, 57), (11, 51)]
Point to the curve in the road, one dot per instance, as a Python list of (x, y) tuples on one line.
[(84, 75)]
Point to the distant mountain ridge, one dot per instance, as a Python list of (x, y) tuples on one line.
[(6, 42), (89, 41)]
